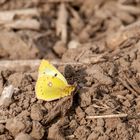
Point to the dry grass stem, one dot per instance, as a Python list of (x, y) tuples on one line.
[(122, 115)]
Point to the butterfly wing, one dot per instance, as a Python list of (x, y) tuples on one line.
[(47, 69), (51, 88)]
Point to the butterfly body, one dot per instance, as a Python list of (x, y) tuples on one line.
[(51, 84)]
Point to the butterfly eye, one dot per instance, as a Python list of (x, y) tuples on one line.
[(55, 75)]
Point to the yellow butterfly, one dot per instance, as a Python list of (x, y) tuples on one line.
[(51, 84)]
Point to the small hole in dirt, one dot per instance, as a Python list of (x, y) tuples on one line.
[(77, 8)]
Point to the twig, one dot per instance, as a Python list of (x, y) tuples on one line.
[(32, 24), (61, 24), (56, 1), (122, 115), (70, 136), (130, 9), (20, 19), (31, 63), (10, 15)]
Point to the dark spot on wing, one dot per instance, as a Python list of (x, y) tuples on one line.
[(55, 75)]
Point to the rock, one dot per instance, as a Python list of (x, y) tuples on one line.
[(15, 126), (37, 130), (23, 136), (36, 112)]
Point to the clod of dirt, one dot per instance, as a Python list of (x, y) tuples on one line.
[(60, 48), (104, 137), (3, 53), (100, 122), (138, 105), (37, 130), (93, 136), (73, 124), (1, 128), (85, 99), (36, 112), (124, 35), (136, 65), (82, 132), (15, 79), (3, 137), (80, 113), (24, 114), (23, 136), (61, 108), (137, 136), (54, 133), (122, 131), (97, 73), (110, 125), (90, 110), (12, 44), (15, 126)]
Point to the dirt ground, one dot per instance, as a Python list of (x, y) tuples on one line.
[(95, 44)]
